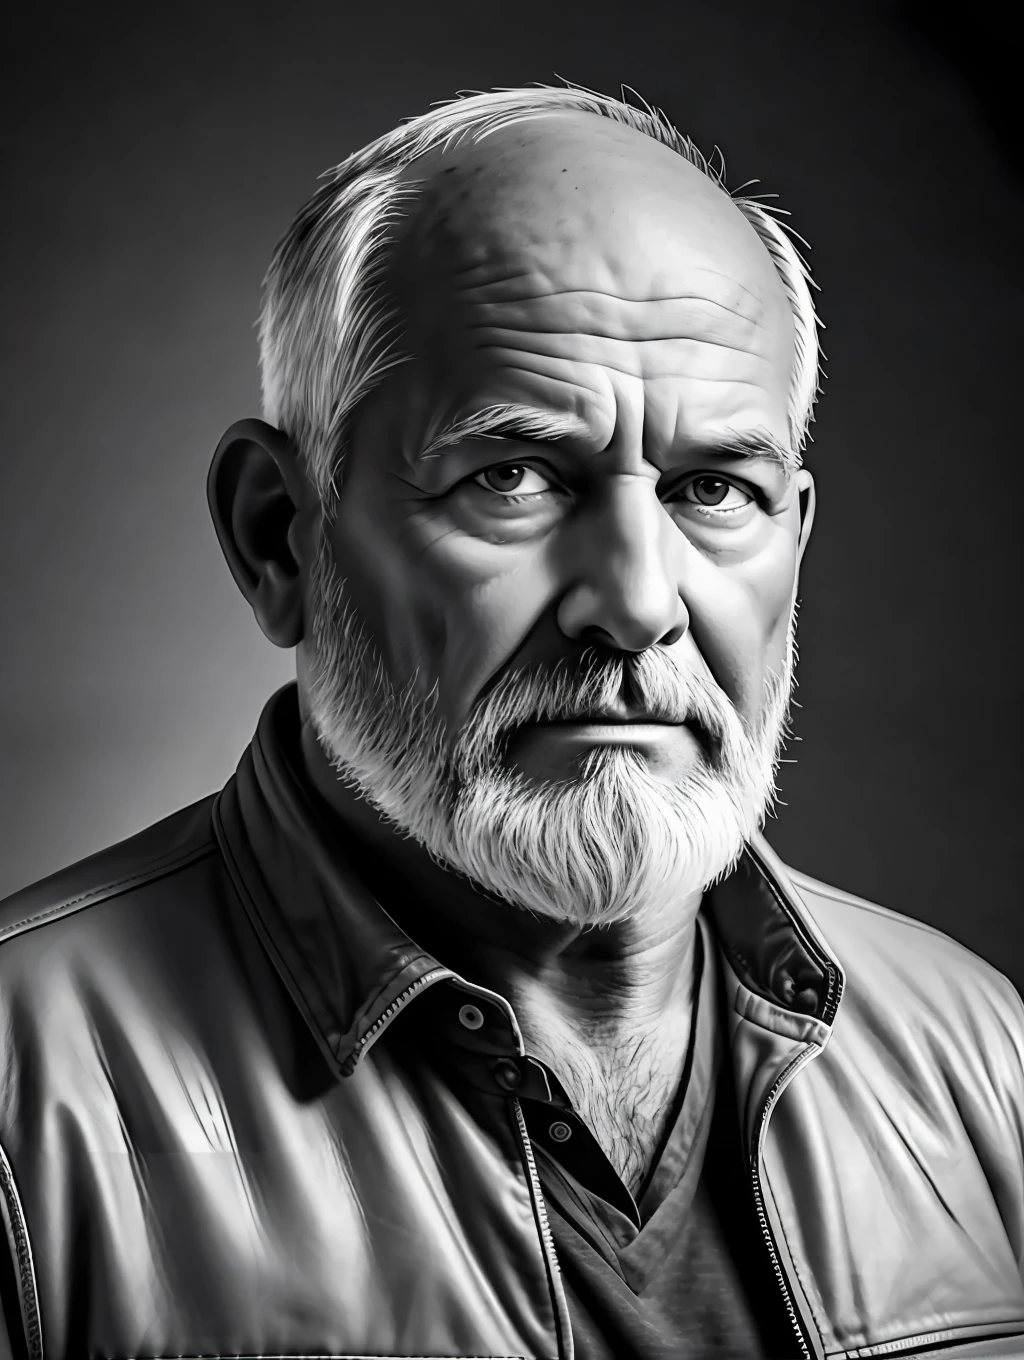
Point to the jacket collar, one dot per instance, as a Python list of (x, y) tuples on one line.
[(348, 965)]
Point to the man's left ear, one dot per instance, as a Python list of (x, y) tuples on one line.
[(256, 489), (805, 496)]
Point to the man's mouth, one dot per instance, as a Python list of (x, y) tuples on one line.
[(613, 716), (602, 720), (709, 744)]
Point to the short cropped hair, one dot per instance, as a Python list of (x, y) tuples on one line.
[(328, 331)]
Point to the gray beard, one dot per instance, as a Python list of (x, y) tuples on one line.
[(615, 843)]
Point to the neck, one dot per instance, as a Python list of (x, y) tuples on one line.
[(596, 983)]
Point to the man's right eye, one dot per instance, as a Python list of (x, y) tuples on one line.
[(512, 480)]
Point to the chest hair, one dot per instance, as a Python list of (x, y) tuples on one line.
[(624, 1090)]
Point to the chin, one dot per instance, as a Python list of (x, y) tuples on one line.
[(615, 843)]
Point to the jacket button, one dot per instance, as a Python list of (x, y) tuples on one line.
[(560, 1132), (472, 1017), (807, 1001), (507, 1074)]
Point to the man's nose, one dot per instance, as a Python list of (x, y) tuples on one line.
[(625, 562)]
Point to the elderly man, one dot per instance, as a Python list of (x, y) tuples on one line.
[(474, 1017)]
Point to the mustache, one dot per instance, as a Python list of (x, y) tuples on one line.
[(652, 683)]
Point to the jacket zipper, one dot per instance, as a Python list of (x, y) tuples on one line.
[(762, 1215), (786, 1296), (386, 1016), (26, 1289), (565, 1344)]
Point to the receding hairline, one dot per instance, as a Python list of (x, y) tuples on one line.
[(425, 180), (541, 125)]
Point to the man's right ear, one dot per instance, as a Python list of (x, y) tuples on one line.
[(256, 489)]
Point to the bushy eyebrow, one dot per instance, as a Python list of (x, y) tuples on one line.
[(513, 421), (757, 444), (505, 422)]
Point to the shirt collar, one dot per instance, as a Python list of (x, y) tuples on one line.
[(350, 968)]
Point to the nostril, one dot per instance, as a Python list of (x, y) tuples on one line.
[(593, 632)]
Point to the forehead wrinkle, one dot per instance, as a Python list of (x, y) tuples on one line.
[(591, 258), (463, 275), (643, 372), (629, 303), (500, 272), (552, 323), (499, 278), (539, 286), (536, 306), (732, 283), (618, 339), (730, 279)]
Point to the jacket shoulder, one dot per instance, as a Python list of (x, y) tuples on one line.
[(895, 961), (884, 927), (164, 848)]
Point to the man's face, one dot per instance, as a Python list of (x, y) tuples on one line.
[(636, 564)]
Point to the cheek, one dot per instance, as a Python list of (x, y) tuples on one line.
[(379, 582), (739, 617), (486, 616), (444, 608), (776, 607)]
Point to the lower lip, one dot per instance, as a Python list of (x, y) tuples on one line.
[(622, 734)]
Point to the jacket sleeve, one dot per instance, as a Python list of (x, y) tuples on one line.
[(1004, 1061)]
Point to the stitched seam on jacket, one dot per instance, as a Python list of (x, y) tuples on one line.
[(158, 868), (967, 1333), (28, 1296)]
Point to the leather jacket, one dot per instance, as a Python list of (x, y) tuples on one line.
[(209, 1147)]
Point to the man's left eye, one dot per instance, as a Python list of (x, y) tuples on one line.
[(715, 494)]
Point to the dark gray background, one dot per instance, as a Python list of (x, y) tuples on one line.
[(154, 156)]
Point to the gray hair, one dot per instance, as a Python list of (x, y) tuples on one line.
[(327, 336)]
